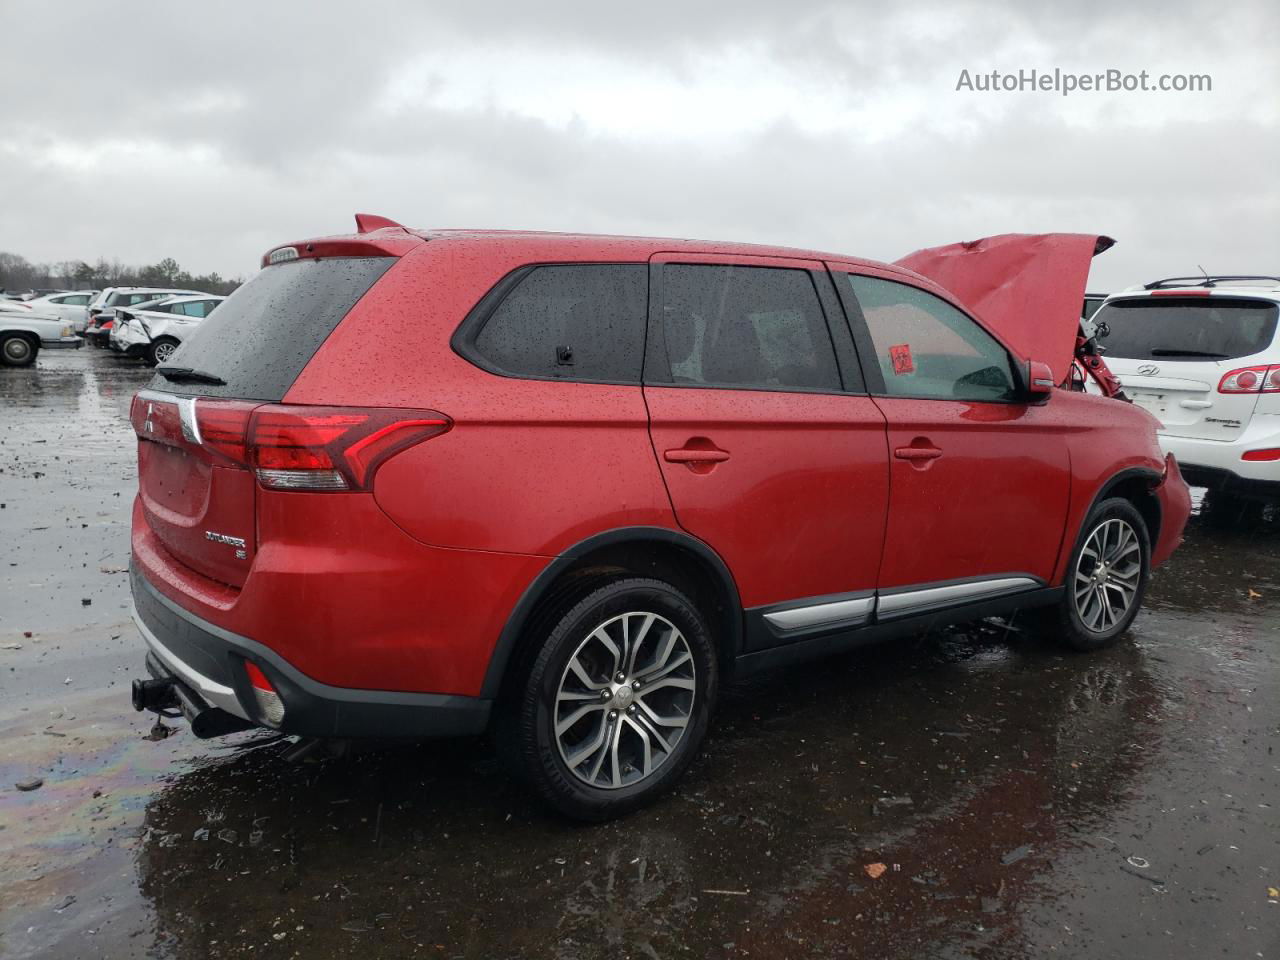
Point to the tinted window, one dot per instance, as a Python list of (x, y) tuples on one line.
[(267, 330), (572, 322), (77, 301), (927, 348), (1190, 328), (760, 327)]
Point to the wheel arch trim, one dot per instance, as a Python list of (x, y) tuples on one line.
[(1108, 486), (509, 638)]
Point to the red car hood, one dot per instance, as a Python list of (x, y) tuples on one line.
[(1029, 287)]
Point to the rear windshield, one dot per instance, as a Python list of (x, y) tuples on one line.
[(260, 338), (1191, 328)]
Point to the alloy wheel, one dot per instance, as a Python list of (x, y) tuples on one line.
[(163, 351), (1107, 575), (624, 700)]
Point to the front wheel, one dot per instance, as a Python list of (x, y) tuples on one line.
[(1106, 578), (617, 700)]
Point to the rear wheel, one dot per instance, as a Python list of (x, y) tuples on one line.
[(617, 700), (160, 350), (17, 350), (1106, 579)]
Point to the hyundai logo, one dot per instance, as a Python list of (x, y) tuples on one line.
[(1148, 369)]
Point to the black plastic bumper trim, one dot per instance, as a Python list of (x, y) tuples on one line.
[(312, 708)]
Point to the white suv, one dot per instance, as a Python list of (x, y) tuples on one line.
[(1201, 354)]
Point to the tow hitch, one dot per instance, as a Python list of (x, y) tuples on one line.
[(155, 695), (169, 697)]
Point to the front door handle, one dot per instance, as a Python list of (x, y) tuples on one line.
[(686, 455)]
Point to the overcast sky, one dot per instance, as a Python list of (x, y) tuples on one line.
[(210, 132)]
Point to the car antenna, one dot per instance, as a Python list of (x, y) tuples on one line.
[(1206, 274)]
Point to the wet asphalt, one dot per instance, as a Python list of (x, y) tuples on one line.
[(971, 794)]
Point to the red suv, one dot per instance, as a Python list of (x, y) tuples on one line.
[(428, 483)]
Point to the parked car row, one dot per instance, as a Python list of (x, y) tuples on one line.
[(101, 313)]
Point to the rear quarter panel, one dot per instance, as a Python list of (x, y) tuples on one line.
[(530, 466)]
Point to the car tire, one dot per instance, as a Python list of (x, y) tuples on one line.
[(617, 699), (160, 350), (17, 350), (1099, 602)]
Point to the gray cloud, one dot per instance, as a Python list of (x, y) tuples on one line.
[(209, 138)]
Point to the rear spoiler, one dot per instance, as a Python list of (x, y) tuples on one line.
[(374, 237)]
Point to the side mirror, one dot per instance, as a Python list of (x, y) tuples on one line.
[(1040, 382)]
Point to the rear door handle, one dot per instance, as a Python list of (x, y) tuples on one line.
[(687, 455), (917, 453)]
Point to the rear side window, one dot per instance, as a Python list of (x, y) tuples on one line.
[(260, 338), (568, 322), (756, 327), (927, 348), (1188, 328)]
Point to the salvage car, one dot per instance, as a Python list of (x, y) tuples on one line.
[(1201, 354), (24, 335), (561, 487), (101, 316), (153, 331)]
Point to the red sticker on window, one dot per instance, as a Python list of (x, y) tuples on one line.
[(901, 357)]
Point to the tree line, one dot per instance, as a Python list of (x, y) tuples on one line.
[(18, 273)]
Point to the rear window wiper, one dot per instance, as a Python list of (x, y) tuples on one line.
[(189, 375), (1208, 355)]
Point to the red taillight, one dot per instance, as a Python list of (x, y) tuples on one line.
[(1251, 380), (318, 449), (332, 448), (1180, 292), (1261, 456), (224, 428)]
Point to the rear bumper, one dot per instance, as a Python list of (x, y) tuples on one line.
[(1220, 461), (210, 663)]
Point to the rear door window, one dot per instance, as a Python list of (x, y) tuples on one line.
[(744, 326), (1187, 328), (567, 322), (265, 332), (927, 348)]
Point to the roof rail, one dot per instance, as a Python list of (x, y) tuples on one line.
[(1202, 281)]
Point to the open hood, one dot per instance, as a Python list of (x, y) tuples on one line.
[(1029, 287)]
